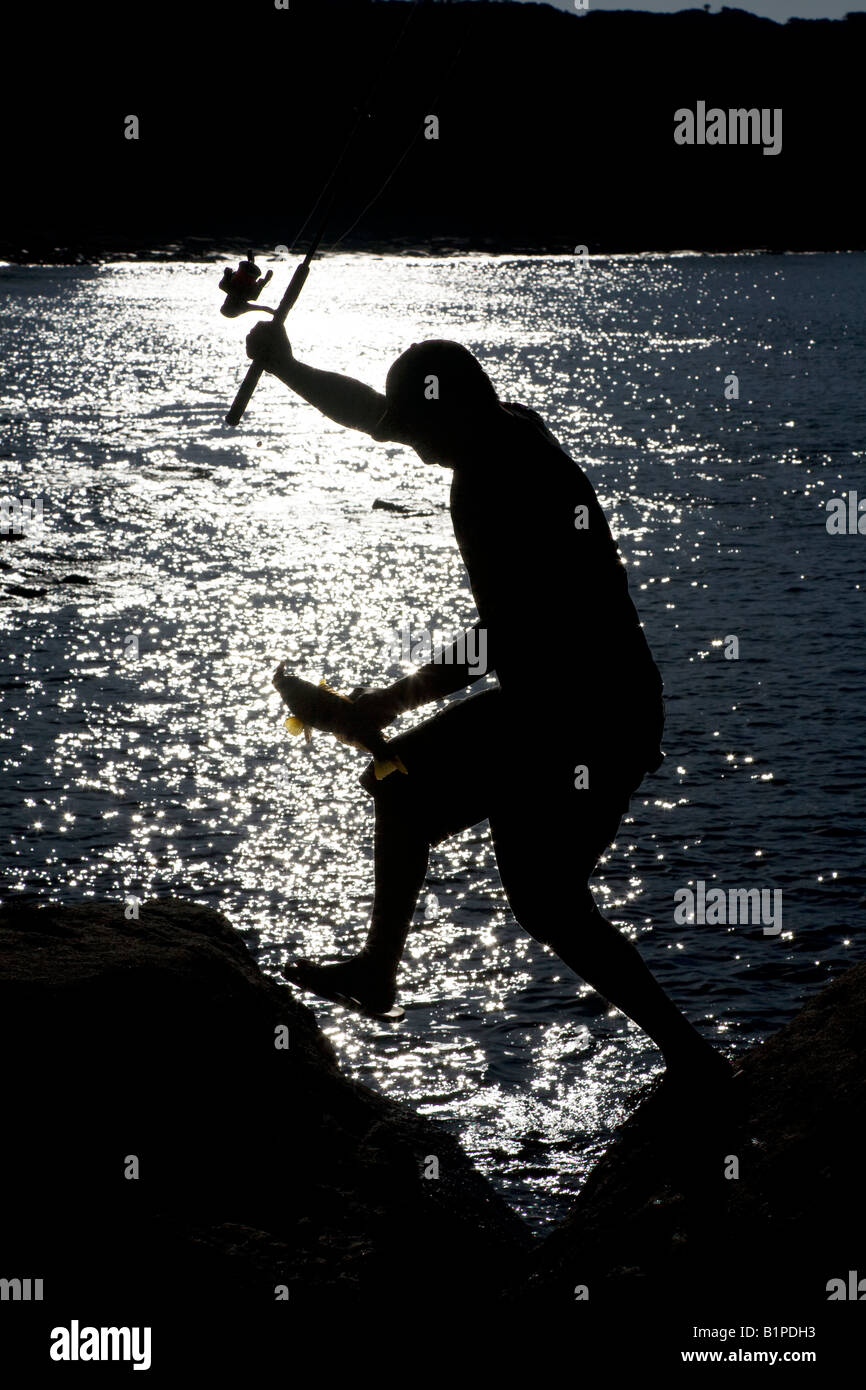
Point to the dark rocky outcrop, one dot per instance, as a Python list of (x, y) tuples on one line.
[(261, 1167), (661, 1229), (258, 1166)]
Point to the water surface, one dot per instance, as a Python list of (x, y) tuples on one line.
[(223, 551)]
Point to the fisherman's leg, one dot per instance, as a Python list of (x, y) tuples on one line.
[(597, 951), (422, 808), (414, 812), (557, 909), (400, 856), (443, 792), (401, 850)]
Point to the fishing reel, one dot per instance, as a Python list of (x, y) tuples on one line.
[(242, 286)]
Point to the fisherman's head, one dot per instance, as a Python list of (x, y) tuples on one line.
[(440, 395)]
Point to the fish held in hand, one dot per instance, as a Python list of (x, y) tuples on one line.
[(320, 707)]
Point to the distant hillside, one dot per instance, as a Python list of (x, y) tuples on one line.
[(555, 129)]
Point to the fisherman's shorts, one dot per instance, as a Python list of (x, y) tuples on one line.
[(550, 796)]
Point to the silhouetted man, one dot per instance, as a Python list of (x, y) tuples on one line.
[(549, 758)]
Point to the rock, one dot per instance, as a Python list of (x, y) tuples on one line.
[(381, 504), (148, 1045), (257, 1166), (659, 1226), (25, 591)]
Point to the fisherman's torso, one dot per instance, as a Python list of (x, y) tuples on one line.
[(547, 578)]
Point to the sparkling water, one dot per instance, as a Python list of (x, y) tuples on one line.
[(715, 404)]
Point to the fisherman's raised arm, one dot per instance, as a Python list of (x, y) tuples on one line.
[(341, 398)]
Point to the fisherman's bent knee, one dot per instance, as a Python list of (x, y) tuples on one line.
[(558, 919)]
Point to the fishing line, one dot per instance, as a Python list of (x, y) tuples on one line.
[(247, 271), (362, 112), (415, 136), (244, 277)]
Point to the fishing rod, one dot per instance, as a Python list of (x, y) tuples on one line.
[(243, 286)]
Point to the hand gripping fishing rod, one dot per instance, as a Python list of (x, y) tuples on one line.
[(237, 302)]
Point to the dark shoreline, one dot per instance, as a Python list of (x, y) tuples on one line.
[(201, 251), (553, 130)]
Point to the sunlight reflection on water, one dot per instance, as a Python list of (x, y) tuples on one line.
[(221, 552)]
